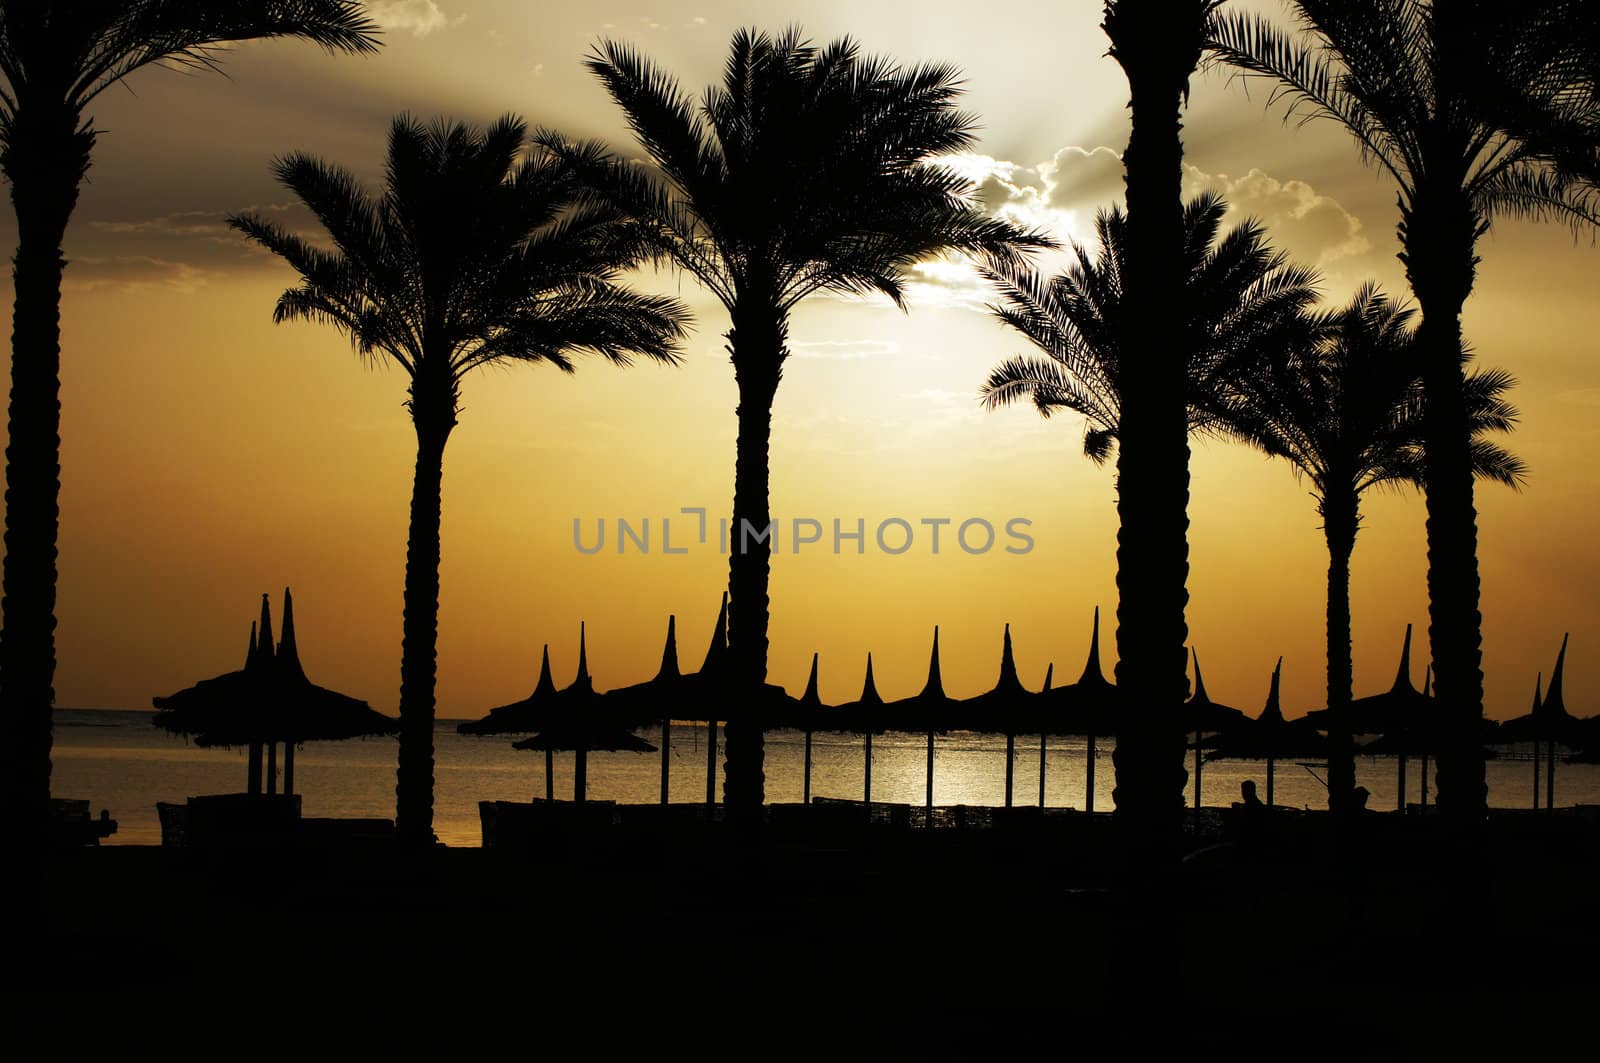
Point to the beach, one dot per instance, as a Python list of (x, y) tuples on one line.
[(705, 949)]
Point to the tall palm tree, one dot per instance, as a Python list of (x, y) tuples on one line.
[(1346, 412), (1474, 108), (1237, 303), (469, 258), (1158, 44), (56, 58), (808, 170)]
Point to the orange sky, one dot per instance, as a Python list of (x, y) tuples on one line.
[(209, 455)]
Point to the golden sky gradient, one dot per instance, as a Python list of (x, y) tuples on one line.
[(209, 455)]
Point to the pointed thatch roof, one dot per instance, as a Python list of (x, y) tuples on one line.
[(269, 700), (1269, 734), (663, 696), (1008, 706), (1087, 707), (546, 704), (1401, 709), (808, 713), (865, 715), (1200, 713), (930, 709), (1549, 719)]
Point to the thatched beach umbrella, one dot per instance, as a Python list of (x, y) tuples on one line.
[(1269, 736), (657, 698), (581, 734), (1405, 718), (268, 701), (1003, 708), (930, 708), (1087, 707), (1202, 716), (545, 707), (809, 713), (190, 710), (864, 716), (1550, 723), (672, 694), (529, 714)]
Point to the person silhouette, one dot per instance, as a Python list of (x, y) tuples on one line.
[(1249, 815)]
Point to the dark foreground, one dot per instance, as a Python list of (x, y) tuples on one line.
[(991, 944)]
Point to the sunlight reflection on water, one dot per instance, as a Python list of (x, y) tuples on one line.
[(119, 761)]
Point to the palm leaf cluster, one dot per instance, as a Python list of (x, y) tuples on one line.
[(1494, 99), (1345, 409), (1242, 301), (66, 54), (808, 169), (472, 255)]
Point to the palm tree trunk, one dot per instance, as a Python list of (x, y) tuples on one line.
[(757, 346), (1340, 519), (1439, 232), (433, 412), (45, 163), (1153, 445)]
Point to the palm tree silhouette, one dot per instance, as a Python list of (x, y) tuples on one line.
[(469, 258), (1158, 44), (56, 58), (1244, 303), (1346, 412), (1239, 303), (1475, 109), (808, 170)]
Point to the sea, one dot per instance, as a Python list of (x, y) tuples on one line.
[(121, 762)]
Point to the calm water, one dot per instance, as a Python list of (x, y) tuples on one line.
[(118, 760)]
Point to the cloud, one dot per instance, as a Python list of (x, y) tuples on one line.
[(181, 250), (421, 17), (89, 273), (1061, 195), (844, 350), (1313, 228), (183, 223)]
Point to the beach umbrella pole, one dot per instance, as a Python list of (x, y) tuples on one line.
[(1011, 765), (666, 759), (1550, 775), (272, 767), (288, 768), (711, 763), (1042, 744), (1088, 786), (1400, 805), (866, 777), (805, 797)]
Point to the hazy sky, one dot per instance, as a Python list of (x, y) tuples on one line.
[(209, 455)]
